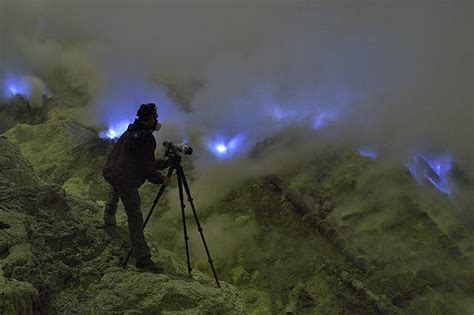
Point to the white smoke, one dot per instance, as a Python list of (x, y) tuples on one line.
[(390, 75)]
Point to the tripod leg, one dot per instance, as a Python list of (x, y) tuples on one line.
[(186, 238), (181, 175), (160, 193)]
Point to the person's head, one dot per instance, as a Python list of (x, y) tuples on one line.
[(147, 113)]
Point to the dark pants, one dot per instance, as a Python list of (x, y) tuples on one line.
[(131, 201)]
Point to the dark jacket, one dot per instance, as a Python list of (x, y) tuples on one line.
[(132, 160)]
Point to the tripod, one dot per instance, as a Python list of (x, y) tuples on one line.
[(175, 164)]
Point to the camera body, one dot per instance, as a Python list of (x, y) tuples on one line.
[(173, 149)]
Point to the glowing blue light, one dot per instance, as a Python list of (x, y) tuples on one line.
[(16, 85), (13, 90), (224, 149), (441, 166), (323, 119), (23, 85), (278, 113), (115, 130), (368, 153), (221, 148), (434, 169)]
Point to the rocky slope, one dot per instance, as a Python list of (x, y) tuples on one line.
[(55, 260), (340, 233)]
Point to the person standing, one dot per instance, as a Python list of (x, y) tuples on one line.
[(130, 163)]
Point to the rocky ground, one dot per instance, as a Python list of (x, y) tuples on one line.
[(340, 233), (55, 260)]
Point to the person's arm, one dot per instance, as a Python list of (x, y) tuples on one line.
[(149, 163)]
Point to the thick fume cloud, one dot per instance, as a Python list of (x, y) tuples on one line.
[(395, 76)]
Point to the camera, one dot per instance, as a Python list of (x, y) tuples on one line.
[(173, 149)]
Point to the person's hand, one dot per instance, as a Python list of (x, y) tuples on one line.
[(166, 181)]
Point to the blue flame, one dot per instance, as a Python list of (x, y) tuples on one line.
[(285, 114), (13, 90), (223, 148), (323, 119), (318, 121), (434, 169), (278, 113), (121, 97), (16, 85), (442, 166), (23, 85), (371, 154), (115, 130)]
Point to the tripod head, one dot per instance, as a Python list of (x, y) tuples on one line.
[(173, 152), (172, 148)]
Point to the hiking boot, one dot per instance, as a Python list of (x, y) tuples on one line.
[(110, 220), (147, 264)]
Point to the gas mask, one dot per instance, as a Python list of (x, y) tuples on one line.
[(157, 125)]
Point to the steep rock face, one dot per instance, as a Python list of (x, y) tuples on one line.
[(20, 110), (54, 259), (16, 296), (63, 152), (378, 212), (359, 239), (14, 168)]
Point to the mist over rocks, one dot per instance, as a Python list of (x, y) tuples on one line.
[(335, 99), (247, 223), (389, 74)]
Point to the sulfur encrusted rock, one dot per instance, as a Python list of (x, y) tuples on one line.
[(54, 259), (14, 168), (63, 152)]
